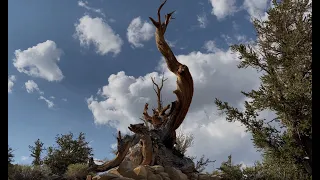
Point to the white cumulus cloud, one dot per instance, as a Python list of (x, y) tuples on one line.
[(31, 86), (215, 75), (171, 43), (210, 46), (223, 8), (235, 26), (11, 80), (257, 8), (85, 5), (25, 158), (139, 32), (202, 20), (97, 32), (49, 103), (40, 61)]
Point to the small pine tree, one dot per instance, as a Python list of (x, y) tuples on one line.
[(231, 171), (68, 151), (10, 160), (36, 151), (10, 156)]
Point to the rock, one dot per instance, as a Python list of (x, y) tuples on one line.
[(157, 169), (165, 176), (208, 177), (155, 177), (175, 174), (144, 172), (216, 177), (192, 176), (115, 171), (105, 177), (129, 174), (125, 166), (122, 178), (181, 175), (96, 177), (141, 172)]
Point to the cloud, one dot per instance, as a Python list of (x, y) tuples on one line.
[(97, 32), (11, 80), (215, 75), (240, 38), (171, 43), (257, 8), (113, 146), (235, 26), (202, 20), (236, 39), (210, 46), (227, 39), (64, 99), (223, 8), (84, 4), (25, 158), (98, 162), (40, 61), (31, 86), (139, 32), (49, 103)]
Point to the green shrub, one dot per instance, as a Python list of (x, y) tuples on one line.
[(77, 171), (27, 172), (68, 150)]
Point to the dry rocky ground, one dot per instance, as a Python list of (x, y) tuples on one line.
[(127, 171)]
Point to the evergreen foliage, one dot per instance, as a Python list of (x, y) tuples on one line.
[(68, 151), (283, 54)]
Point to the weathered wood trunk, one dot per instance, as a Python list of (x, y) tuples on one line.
[(157, 144)]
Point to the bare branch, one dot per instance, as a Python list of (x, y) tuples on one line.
[(158, 24), (168, 18), (158, 92), (203, 163), (159, 10), (155, 85), (162, 81)]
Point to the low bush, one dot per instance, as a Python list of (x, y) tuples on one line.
[(27, 172), (77, 171)]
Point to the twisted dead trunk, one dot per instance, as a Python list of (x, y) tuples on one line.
[(157, 144)]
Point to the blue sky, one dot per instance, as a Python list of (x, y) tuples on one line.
[(85, 66)]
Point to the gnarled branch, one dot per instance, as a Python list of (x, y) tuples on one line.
[(184, 91), (146, 116), (123, 145), (158, 91)]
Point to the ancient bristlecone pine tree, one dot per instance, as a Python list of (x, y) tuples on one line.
[(157, 144)]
